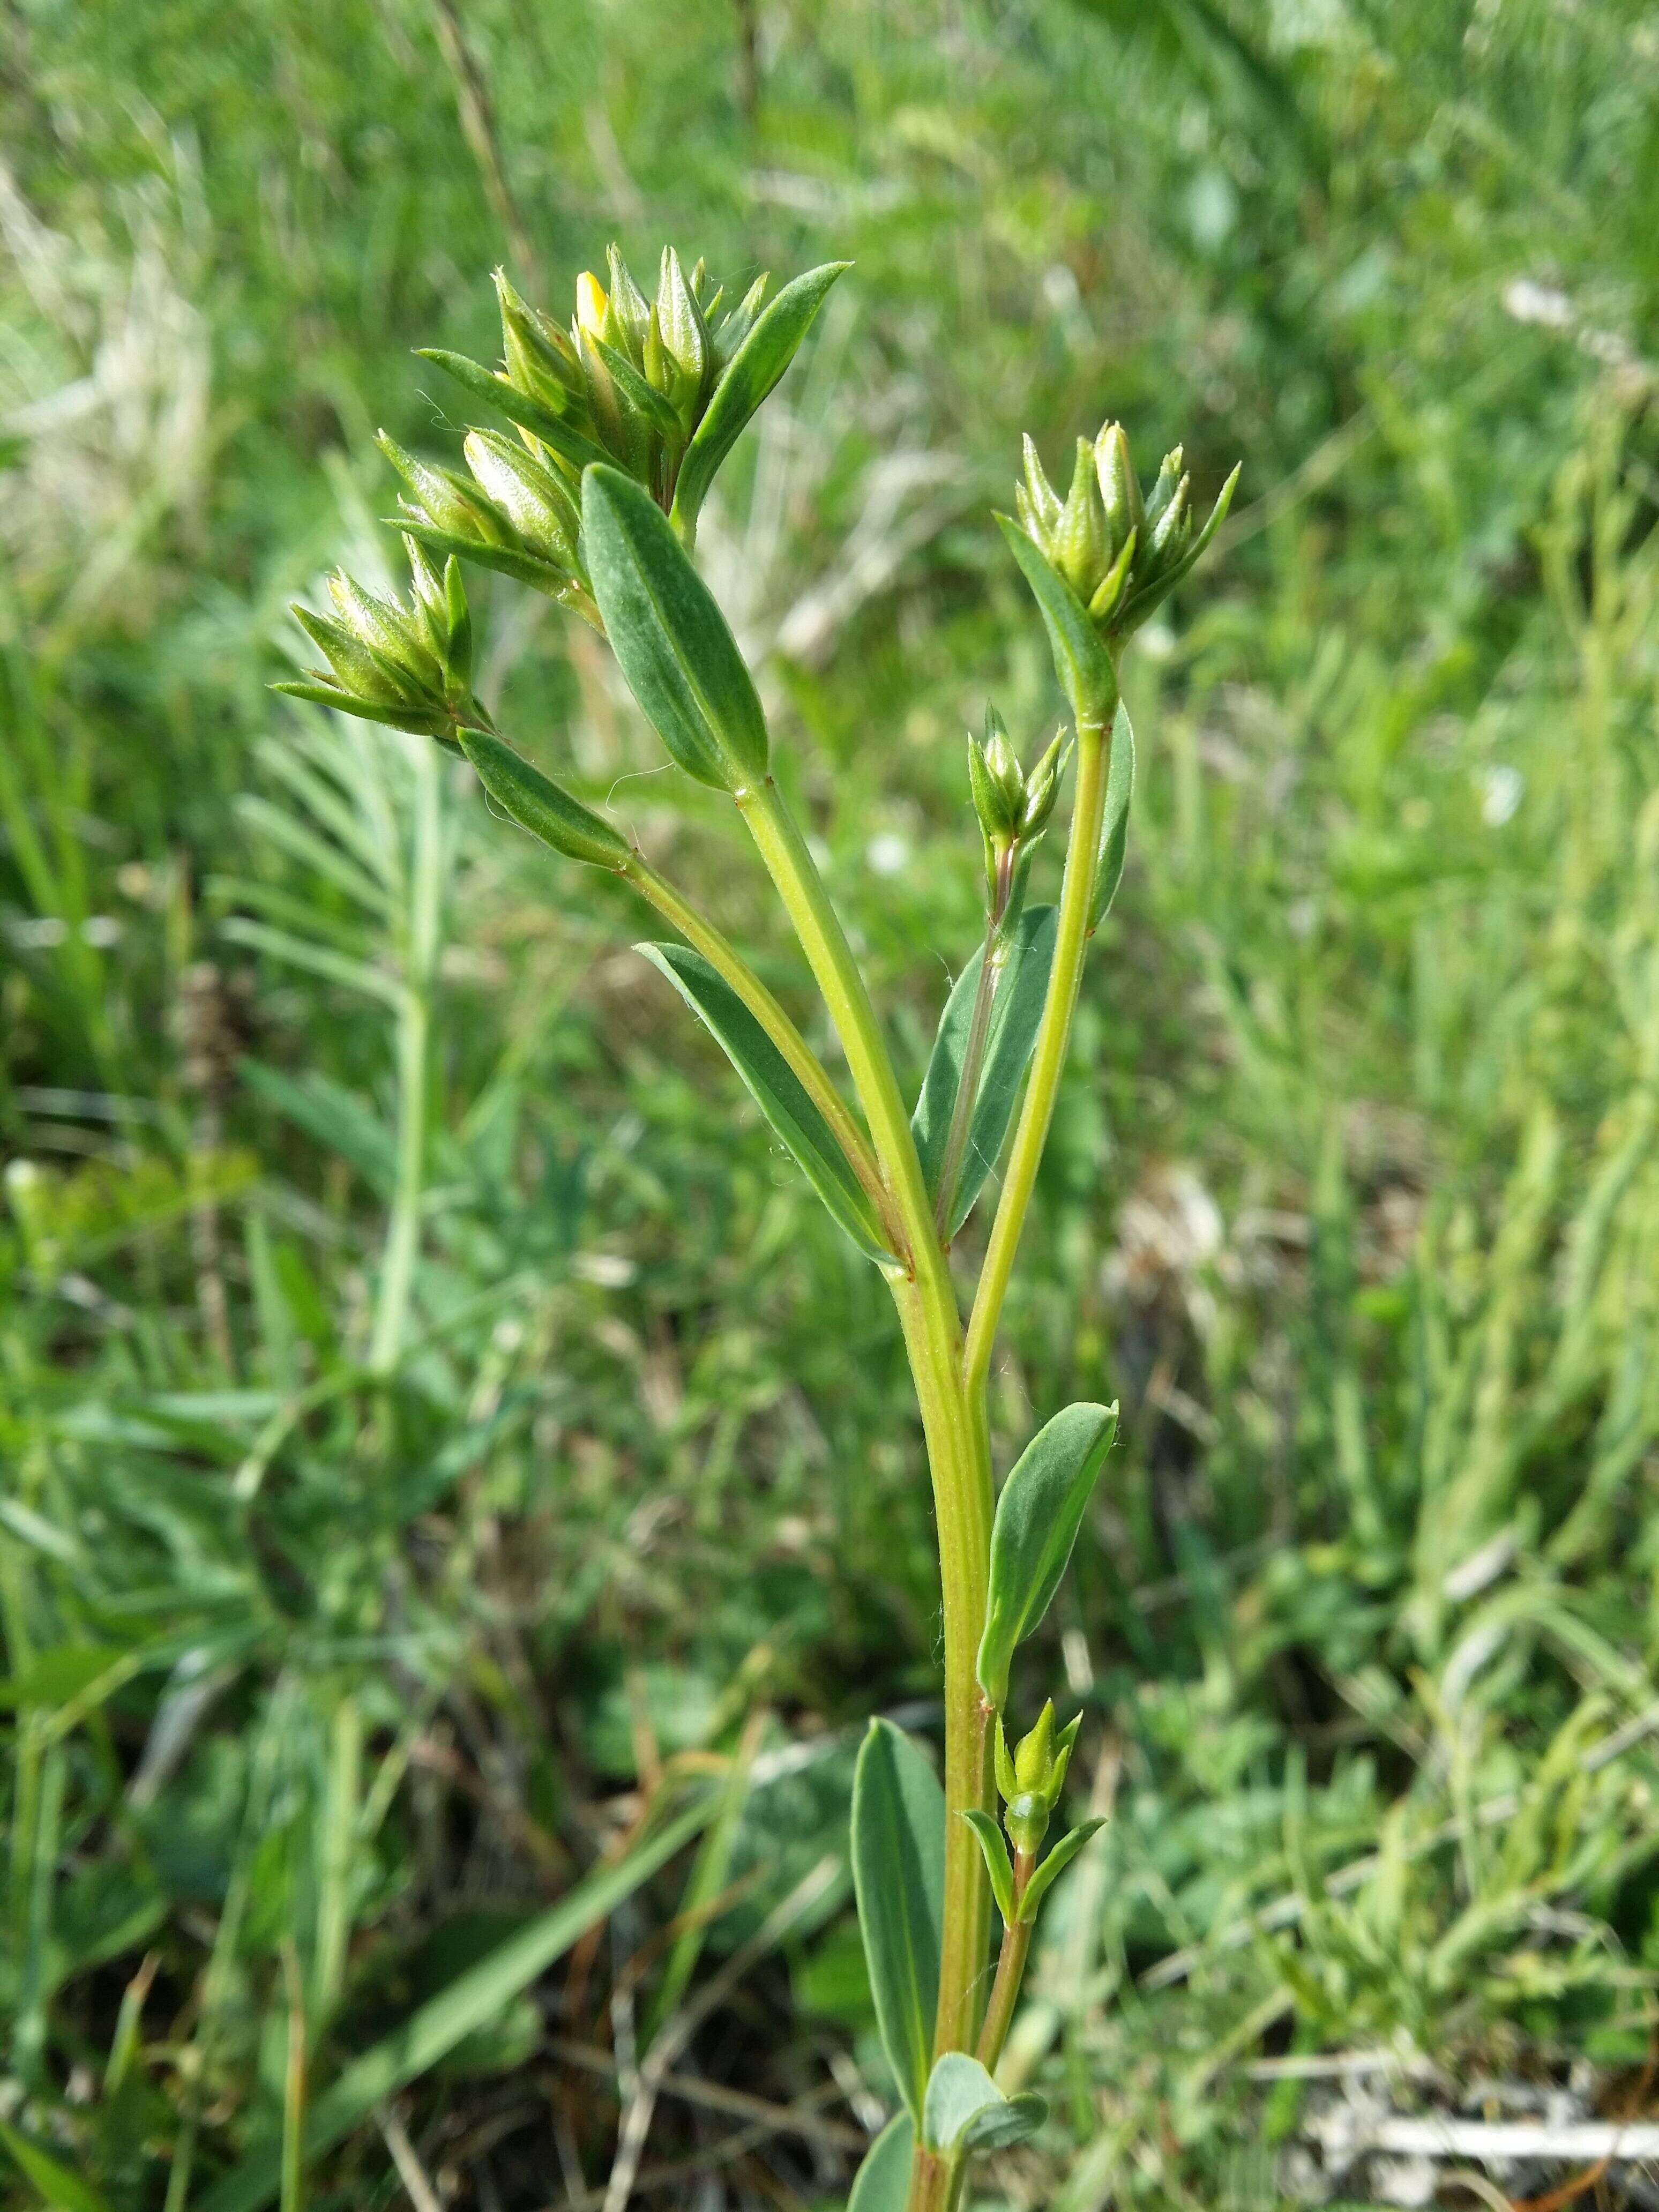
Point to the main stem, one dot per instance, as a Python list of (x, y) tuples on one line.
[(932, 1326), (1011, 1971)]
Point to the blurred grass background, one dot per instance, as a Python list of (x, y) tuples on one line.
[(354, 1616)]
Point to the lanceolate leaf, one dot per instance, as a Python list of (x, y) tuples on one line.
[(1016, 1014), (965, 2111), (523, 568), (542, 807), (997, 1862), (774, 1089), (1038, 1515), (473, 1999), (1081, 660), (755, 366), (1054, 1866), (1115, 824), (518, 406), (1013, 2120), (898, 1873), (884, 2180), (681, 661)]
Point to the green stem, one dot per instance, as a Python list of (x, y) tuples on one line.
[(802, 1061), (932, 1324), (1072, 941), (414, 1031), (1011, 1971)]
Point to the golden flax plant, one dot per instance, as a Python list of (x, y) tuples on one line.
[(623, 421)]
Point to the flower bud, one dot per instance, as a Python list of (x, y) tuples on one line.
[(1043, 789), (1116, 553), (1083, 544), (591, 305), (410, 666), (1029, 1780), (1012, 808), (630, 309), (995, 780), (633, 381), (531, 496), (1032, 1752), (1120, 487)]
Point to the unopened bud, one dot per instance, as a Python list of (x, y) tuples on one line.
[(1120, 487)]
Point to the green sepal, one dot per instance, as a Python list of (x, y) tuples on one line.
[(538, 805), (672, 641), (518, 406), (1081, 660), (1015, 1017), (898, 1877), (1140, 603), (1007, 1780), (765, 351), (998, 1864), (882, 2181), (964, 2111), (1038, 1515), (506, 560), (651, 407), (773, 1085), (1114, 820), (366, 710), (1052, 1867)]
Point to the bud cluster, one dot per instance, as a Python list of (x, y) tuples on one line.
[(1014, 808), (1121, 553), (408, 666), (1030, 1781), (627, 383)]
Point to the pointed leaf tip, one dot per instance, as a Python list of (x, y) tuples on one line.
[(1038, 1515), (765, 353)]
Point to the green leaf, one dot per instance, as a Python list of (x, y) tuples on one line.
[(538, 805), (518, 406), (774, 1089), (1115, 824), (1052, 1867), (56, 2183), (753, 370), (681, 661), (472, 2001), (883, 2183), (965, 2111), (1015, 2120), (898, 1876), (1038, 1515), (1016, 1015), (1081, 660), (994, 1844), (506, 560)]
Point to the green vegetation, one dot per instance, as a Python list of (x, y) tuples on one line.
[(461, 1490)]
